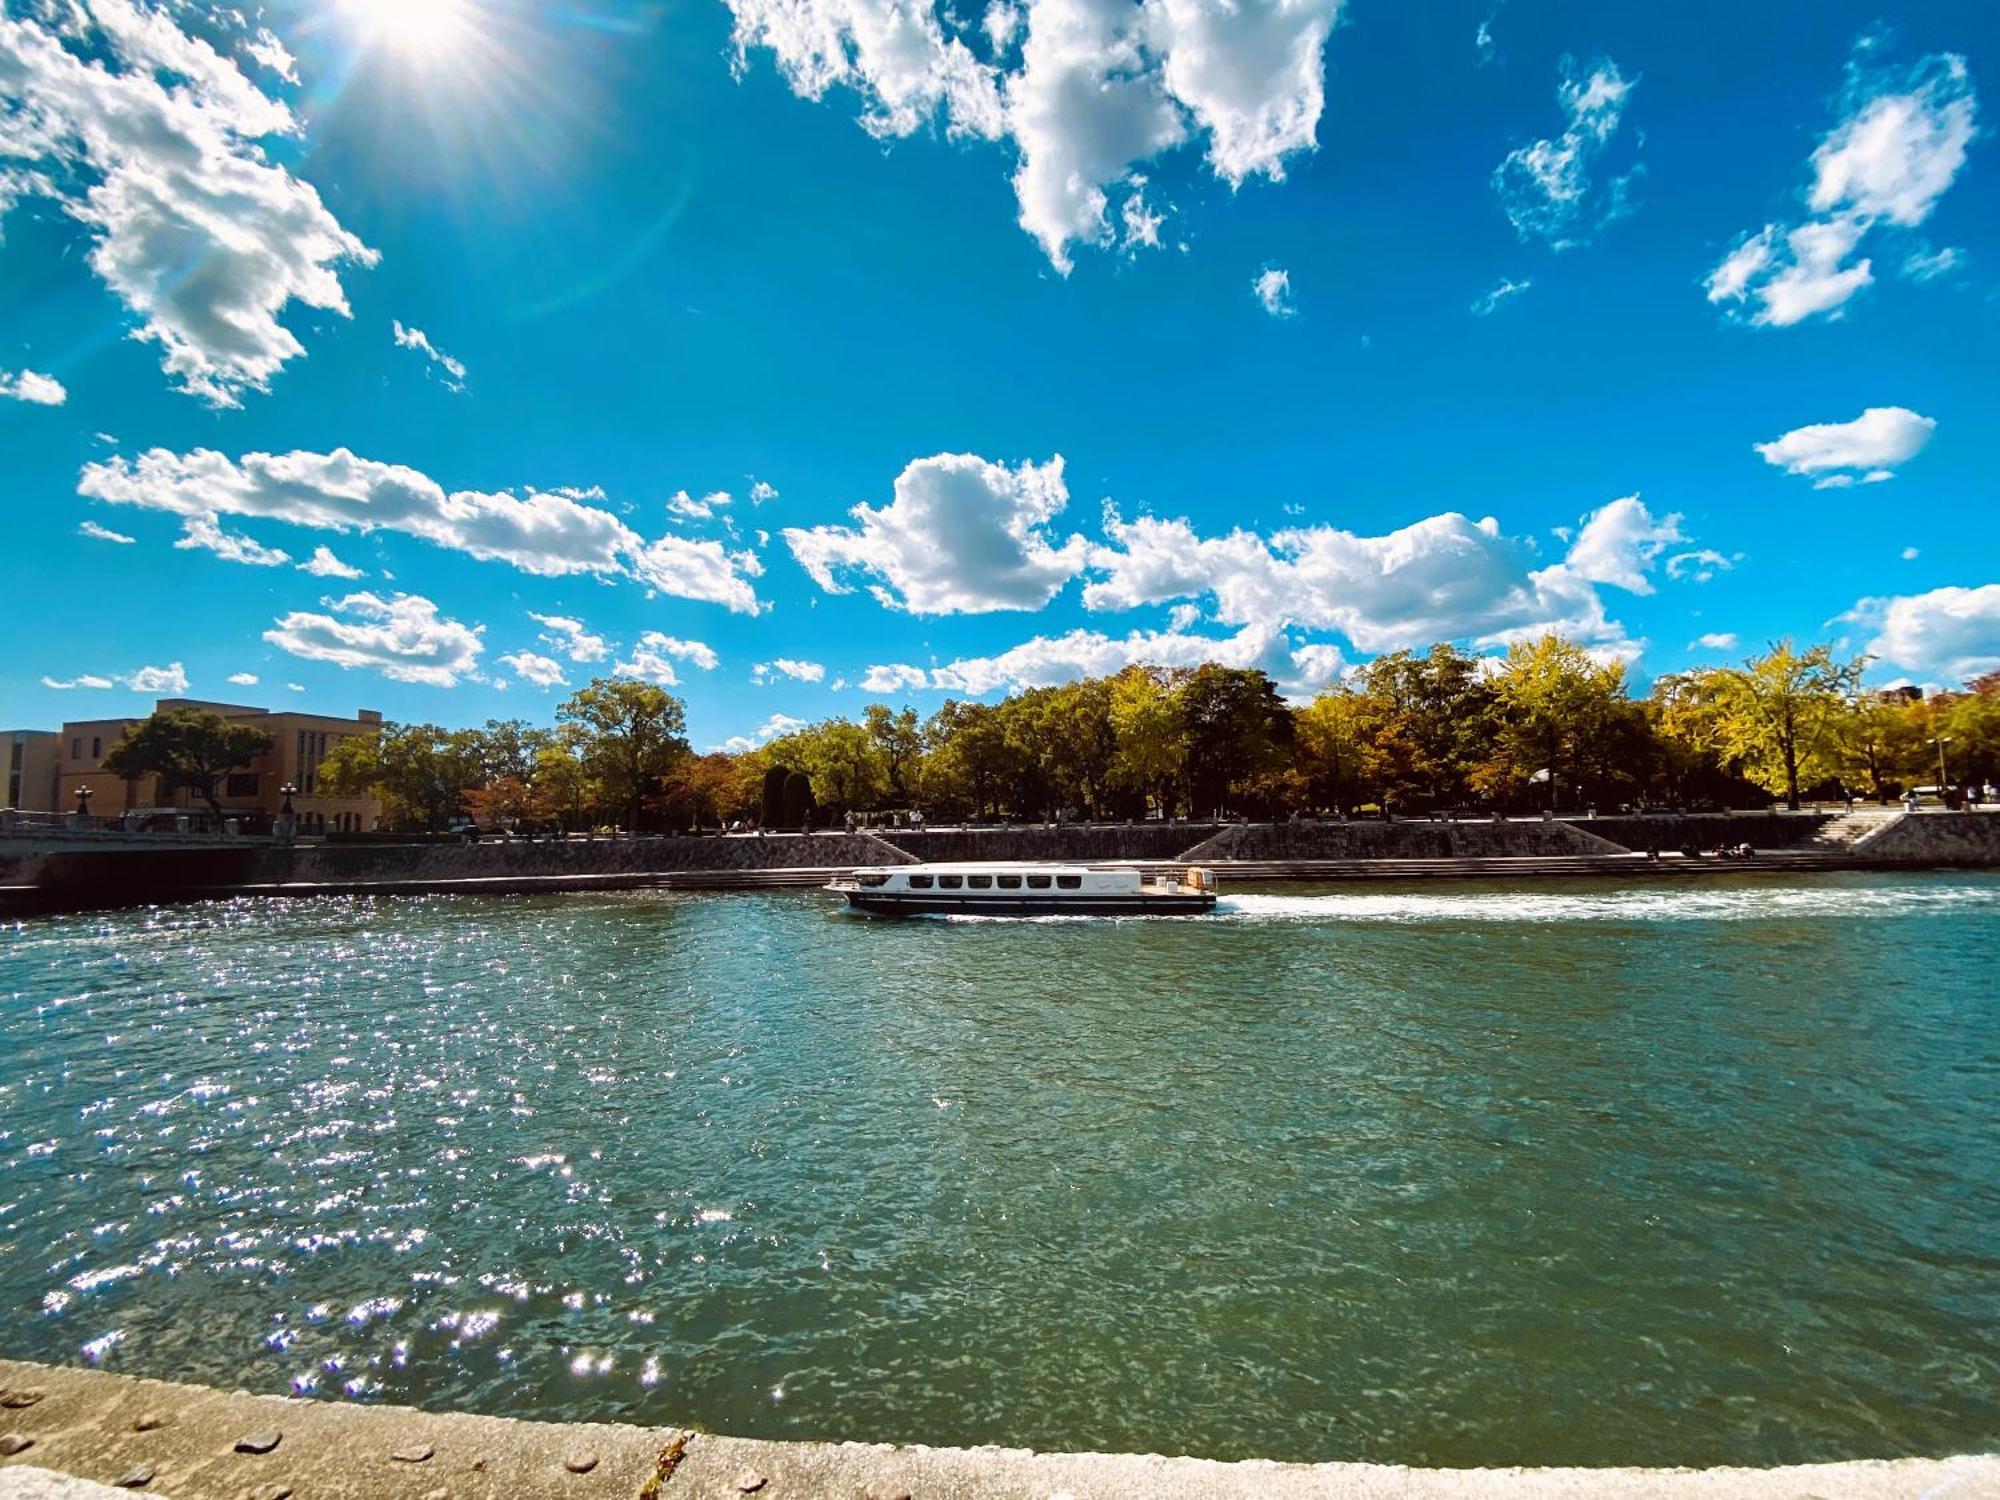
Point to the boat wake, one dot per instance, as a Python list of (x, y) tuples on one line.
[(1650, 904)]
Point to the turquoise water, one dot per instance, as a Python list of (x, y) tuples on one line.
[(1692, 1173)]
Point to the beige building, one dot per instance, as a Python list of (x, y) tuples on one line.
[(255, 794), (32, 756)]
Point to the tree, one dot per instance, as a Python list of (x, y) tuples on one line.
[(1331, 736), (187, 747), (563, 785), (1238, 728), (798, 800), (1430, 724), (421, 771), (1777, 713), (840, 760), (771, 806), (965, 758), (508, 747), (701, 788), (1558, 716), (1878, 742), (901, 743), (501, 803), (632, 735), (1151, 735)]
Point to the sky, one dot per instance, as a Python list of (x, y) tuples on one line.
[(436, 356)]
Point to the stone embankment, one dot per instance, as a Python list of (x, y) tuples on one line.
[(152, 1437), (1312, 850)]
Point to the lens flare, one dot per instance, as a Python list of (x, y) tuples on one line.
[(421, 30)]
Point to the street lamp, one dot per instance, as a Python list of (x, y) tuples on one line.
[(1943, 781), (83, 796), (287, 791)]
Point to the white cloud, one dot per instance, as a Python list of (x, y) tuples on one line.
[(403, 637), (543, 532), (1897, 149), (1910, 554), (785, 666), (686, 506), (960, 536), (1927, 265), (171, 680), (1700, 565), (770, 729), (416, 338), (530, 666), (295, 687), (653, 658), (243, 679), (1837, 453), (1718, 640), (1101, 87), (1443, 578), (1498, 293), (104, 533), (267, 51), (1043, 661), (201, 237), (761, 492), (1948, 634), (323, 564), (571, 637), (1546, 187), (36, 389), (202, 533), (1273, 288)]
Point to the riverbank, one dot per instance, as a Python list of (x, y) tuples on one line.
[(199, 1443), (1616, 847)]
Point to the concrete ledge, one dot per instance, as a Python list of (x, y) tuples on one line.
[(162, 1438)]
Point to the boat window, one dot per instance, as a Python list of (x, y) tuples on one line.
[(1009, 882), (871, 880), (920, 882), (949, 882), (979, 882), (1038, 882), (1069, 882)]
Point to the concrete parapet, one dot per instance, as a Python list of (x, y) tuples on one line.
[(202, 1444), (1517, 838), (1760, 830), (1939, 838)]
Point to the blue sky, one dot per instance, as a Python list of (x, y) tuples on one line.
[(1281, 335)]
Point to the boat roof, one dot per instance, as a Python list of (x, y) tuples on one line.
[(987, 866)]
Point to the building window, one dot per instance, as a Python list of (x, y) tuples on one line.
[(96, 748), (241, 784), (76, 748), (311, 777)]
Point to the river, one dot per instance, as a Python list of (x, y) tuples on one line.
[(1697, 1172)]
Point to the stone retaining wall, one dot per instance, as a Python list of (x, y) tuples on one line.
[(1758, 830), (1964, 838), (1077, 842), (1516, 839)]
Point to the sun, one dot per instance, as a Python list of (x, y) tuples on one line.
[(421, 30)]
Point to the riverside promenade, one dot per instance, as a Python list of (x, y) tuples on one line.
[(59, 876), (89, 1435)]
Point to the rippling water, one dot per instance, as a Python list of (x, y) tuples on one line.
[(1682, 1173)]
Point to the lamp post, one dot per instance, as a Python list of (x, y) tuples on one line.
[(1943, 783), (287, 819), (83, 796)]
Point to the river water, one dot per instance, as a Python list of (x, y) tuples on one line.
[(1688, 1173)]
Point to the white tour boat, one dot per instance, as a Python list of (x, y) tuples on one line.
[(999, 888)]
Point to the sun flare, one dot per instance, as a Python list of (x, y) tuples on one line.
[(418, 29)]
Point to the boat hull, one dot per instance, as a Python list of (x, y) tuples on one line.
[(931, 903)]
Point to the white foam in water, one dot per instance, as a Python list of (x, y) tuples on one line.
[(1680, 903)]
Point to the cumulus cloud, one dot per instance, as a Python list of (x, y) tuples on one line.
[(1446, 577), (544, 532), (417, 339), (653, 658), (203, 533), (770, 729), (689, 508), (243, 679), (323, 564), (35, 389), (1273, 289), (152, 142), (1100, 88), (571, 637), (761, 492), (1044, 661), (104, 533), (1868, 449), (1717, 640), (403, 637), (785, 666), (530, 666), (172, 680), (960, 536), (1949, 634), (1499, 292), (1924, 264), (1548, 187), (1898, 147)]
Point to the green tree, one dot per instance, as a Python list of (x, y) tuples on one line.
[(840, 759), (420, 771), (1878, 742), (564, 787), (187, 747), (1238, 730), (901, 742), (632, 734), (1332, 744), (1778, 713), (1559, 719), (964, 760), (1151, 736), (1430, 724), (508, 747)]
